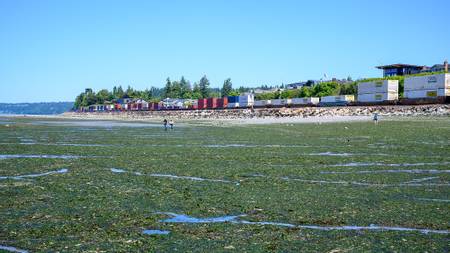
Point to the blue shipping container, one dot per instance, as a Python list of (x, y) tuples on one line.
[(233, 99)]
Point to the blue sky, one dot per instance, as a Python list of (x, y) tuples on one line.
[(52, 50)]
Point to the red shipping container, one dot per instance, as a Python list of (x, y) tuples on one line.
[(211, 103), (222, 102), (202, 103)]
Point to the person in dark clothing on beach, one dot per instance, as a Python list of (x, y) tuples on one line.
[(375, 118), (165, 124)]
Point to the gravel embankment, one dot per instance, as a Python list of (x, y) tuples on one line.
[(274, 115)]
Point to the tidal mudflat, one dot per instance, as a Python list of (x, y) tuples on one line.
[(101, 186)]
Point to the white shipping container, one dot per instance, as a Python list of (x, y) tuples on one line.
[(280, 102), (378, 97), (260, 102), (337, 99), (245, 104), (277, 102), (305, 101), (380, 86), (430, 82), (427, 93), (247, 98)]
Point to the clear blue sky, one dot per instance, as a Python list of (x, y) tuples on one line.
[(52, 50)]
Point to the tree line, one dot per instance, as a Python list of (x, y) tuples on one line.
[(173, 89), (183, 89)]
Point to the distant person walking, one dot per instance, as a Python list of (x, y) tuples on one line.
[(165, 124), (375, 118), (171, 124)]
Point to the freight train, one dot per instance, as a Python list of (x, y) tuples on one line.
[(417, 90)]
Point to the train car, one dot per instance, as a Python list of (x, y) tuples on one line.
[(430, 86), (241, 101), (377, 91), (260, 103), (211, 103), (337, 100), (305, 101), (222, 102), (138, 105), (281, 102), (154, 106), (202, 103)]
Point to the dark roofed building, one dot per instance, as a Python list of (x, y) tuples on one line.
[(400, 69), (298, 85)]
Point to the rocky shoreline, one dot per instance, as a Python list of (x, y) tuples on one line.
[(261, 113)]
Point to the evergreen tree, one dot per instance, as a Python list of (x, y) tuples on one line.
[(90, 98), (103, 96), (156, 92), (227, 88), (120, 93), (114, 93), (167, 89), (196, 93), (79, 101), (204, 87), (131, 93), (176, 89), (186, 91)]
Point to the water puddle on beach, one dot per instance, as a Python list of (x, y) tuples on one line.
[(155, 232), (331, 154), (354, 183), (228, 146), (6, 123), (26, 141), (95, 123), (181, 218), (387, 171), (433, 200), (362, 164), (15, 156), (76, 144), (240, 145), (237, 219), (189, 178), (419, 180), (116, 170), (113, 170), (12, 249), (60, 144), (60, 171)]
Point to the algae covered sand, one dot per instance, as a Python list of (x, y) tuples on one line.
[(341, 187)]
